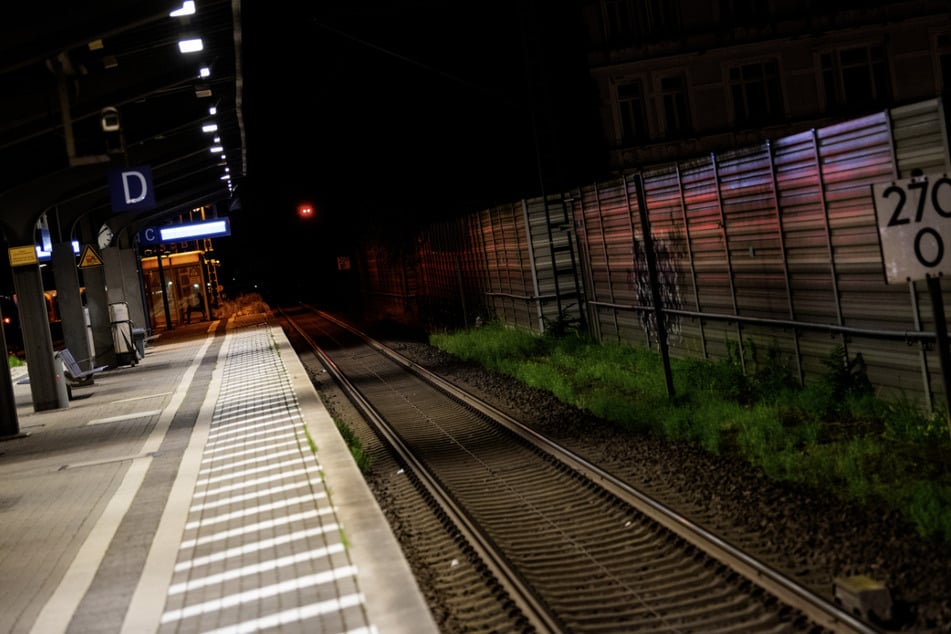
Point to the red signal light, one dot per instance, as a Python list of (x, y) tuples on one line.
[(305, 210)]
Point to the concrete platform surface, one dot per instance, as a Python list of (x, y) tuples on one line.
[(205, 489)]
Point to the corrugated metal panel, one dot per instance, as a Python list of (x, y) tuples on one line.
[(781, 233)]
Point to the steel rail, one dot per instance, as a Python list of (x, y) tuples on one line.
[(532, 607), (817, 608)]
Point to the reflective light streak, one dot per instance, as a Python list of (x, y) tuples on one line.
[(254, 510), (246, 497), (242, 386), (261, 441), (257, 481), (230, 429), (247, 549), (254, 528), (306, 581), (249, 461), (238, 441), (253, 569), (299, 614), (247, 472), (278, 399)]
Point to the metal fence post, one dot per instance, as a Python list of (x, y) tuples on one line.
[(659, 316)]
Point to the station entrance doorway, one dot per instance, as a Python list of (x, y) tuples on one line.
[(182, 281)]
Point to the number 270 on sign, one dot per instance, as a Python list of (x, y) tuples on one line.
[(914, 227)]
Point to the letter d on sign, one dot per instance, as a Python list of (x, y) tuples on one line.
[(131, 189), (142, 186)]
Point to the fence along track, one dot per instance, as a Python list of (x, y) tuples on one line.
[(777, 243), (595, 561)]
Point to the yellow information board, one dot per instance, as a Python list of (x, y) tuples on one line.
[(23, 256)]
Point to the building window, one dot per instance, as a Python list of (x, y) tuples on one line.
[(944, 63), (632, 112), (756, 92), (634, 22), (673, 94), (854, 77), (744, 12)]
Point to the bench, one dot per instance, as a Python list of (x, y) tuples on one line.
[(73, 372)]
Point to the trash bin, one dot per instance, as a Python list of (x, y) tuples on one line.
[(138, 339), (122, 333)]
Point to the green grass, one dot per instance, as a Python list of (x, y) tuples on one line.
[(835, 435), (356, 447), (14, 361)]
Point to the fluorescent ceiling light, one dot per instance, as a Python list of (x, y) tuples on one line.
[(217, 139), (195, 230), (204, 71), (216, 148), (191, 46), (213, 110), (209, 127), (188, 8), (226, 177)]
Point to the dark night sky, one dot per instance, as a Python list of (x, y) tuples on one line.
[(385, 115)]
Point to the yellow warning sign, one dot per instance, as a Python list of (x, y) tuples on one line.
[(23, 256), (89, 258)]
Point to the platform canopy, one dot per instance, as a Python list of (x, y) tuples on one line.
[(118, 83)]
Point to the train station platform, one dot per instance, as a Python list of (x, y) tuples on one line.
[(205, 489)]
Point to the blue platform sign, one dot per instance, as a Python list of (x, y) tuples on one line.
[(131, 189), (211, 228), (150, 235)]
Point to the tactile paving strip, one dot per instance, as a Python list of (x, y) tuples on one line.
[(262, 549)]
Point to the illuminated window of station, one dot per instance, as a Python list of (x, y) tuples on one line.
[(180, 279)]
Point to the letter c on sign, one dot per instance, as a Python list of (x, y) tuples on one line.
[(150, 236), (129, 199)]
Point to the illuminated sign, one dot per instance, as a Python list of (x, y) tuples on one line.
[(131, 189), (43, 255), (195, 230)]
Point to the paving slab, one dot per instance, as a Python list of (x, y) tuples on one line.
[(184, 494)]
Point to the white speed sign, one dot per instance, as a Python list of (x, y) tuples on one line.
[(914, 227)]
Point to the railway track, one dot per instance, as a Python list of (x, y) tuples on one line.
[(553, 543)]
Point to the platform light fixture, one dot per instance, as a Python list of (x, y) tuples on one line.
[(204, 72), (209, 128), (216, 148), (213, 110), (187, 8), (192, 45)]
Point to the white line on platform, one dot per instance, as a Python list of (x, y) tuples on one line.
[(124, 417), (141, 398), (148, 600), (58, 611)]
